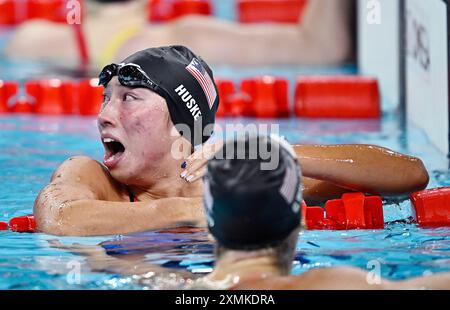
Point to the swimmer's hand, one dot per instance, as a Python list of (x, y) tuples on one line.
[(195, 167)]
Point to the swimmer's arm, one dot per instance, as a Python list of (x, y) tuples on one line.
[(366, 168), (82, 200), (96, 217), (316, 192)]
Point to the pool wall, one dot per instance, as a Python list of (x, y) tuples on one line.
[(410, 40)]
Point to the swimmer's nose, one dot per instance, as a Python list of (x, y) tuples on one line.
[(107, 116)]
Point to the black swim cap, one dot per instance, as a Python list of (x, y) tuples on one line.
[(187, 84), (248, 207)]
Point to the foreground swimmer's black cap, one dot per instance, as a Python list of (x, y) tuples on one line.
[(248, 207), (187, 84)]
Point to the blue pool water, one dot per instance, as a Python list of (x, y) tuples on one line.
[(32, 147)]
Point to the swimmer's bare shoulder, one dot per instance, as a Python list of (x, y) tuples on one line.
[(83, 199), (348, 278), (77, 178), (316, 279), (92, 177), (338, 278)]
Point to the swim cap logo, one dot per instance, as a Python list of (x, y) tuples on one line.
[(191, 104), (196, 69), (289, 189)]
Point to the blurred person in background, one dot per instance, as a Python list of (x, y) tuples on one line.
[(117, 28), (103, 22)]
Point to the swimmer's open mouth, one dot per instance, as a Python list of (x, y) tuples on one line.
[(113, 149)]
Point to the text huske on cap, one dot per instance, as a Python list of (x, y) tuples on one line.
[(189, 100)]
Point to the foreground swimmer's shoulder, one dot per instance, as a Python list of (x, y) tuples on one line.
[(339, 278)]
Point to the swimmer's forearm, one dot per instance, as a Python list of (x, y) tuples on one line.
[(366, 168), (97, 217)]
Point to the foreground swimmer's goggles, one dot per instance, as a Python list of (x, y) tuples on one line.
[(129, 74)]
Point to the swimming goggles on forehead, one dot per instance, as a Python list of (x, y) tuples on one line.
[(129, 74)]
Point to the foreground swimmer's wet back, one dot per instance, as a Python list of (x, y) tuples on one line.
[(254, 216)]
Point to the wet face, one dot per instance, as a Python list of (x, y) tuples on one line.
[(135, 128)]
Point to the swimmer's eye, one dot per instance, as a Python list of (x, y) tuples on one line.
[(128, 97)]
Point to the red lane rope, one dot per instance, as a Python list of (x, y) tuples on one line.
[(82, 46)]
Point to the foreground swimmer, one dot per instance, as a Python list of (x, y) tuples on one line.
[(253, 215)]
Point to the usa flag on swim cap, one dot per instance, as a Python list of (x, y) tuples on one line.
[(203, 78)]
